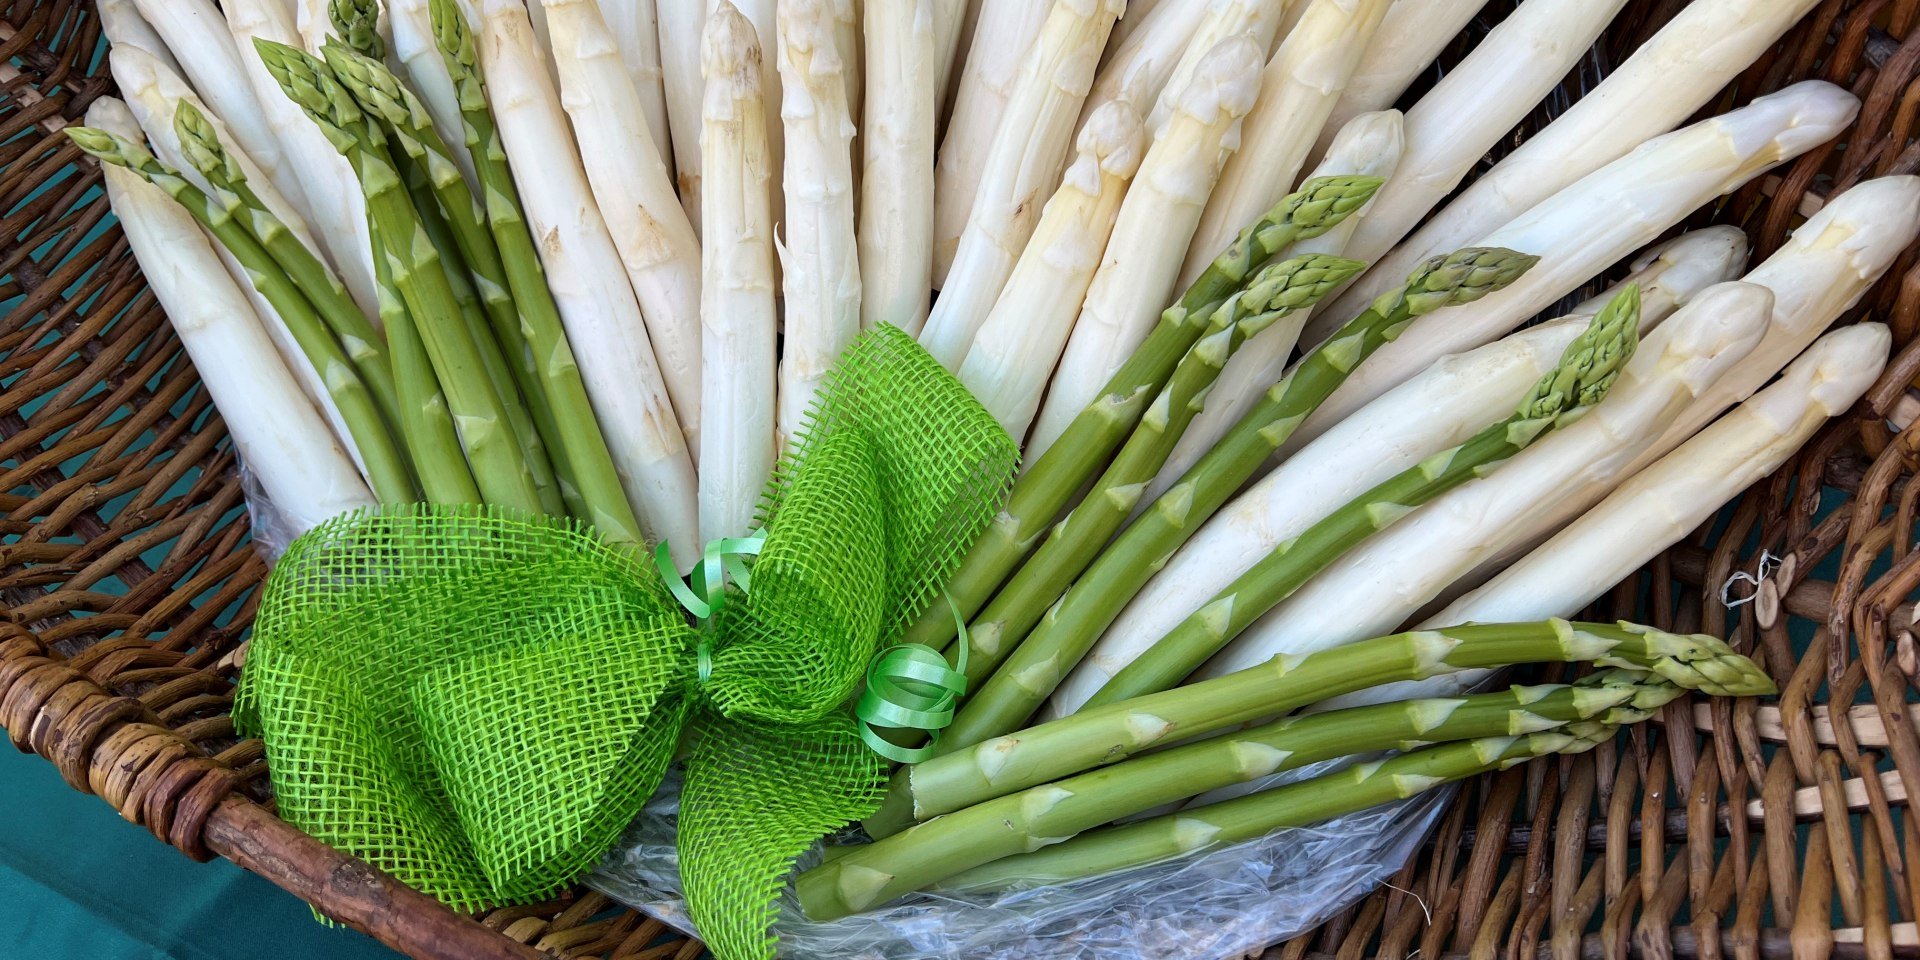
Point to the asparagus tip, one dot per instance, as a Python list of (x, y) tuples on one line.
[(1323, 202), (359, 24), (1590, 364), (201, 145), (1463, 276), (108, 147)]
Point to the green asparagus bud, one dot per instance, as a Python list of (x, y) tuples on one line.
[(203, 149), (1318, 206), (1458, 278), (1591, 363), (452, 35), (309, 83), (359, 24)]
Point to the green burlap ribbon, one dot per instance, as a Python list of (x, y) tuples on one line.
[(479, 702)]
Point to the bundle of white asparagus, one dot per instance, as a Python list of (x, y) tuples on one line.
[(594, 258)]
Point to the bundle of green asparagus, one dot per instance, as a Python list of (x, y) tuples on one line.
[(597, 260)]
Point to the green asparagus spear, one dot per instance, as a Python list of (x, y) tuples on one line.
[(1025, 821), (1048, 486), (385, 462), (418, 273), (1586, 371), (358, 23), (1277, 290), (316, 281), (1104, 735), (1069, 629), (1307, 802), (577, 439), (425, 421)]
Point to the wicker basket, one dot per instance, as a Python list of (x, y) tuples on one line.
[(130, 583)]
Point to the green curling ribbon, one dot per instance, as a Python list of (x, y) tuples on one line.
[(479, 701), (910, 687)]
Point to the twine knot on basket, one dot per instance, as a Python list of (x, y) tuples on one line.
[(478, 701)]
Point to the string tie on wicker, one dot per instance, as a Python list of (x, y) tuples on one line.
[(479, 701)]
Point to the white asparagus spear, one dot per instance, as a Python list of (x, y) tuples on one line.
[(1817, 275), (121, 21), (1297, 92), (411, 22), (279, 435), (197, 35), (820, 262), (1257, 19), (1001, 39), (1020, 169), (763, 15), (1156, 221), (1448, 402), (949, 37), (1136, 16), (737, 319), (1138, 69), (681, 23), (896, 194), (1665, 502), (1013, 356), (1613, 211), (636, 33), (1410, 38), (338, 209), (1379, 584), (848, 41), (1670, 77), (1475, 105), (1371, 145), (633, 192), (589, 285)]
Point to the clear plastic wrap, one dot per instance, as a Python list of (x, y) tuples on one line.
[(1224, 903)]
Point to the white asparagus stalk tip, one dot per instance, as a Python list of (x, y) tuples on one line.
[(1667, 80), (1001, 39), (1410, 38), (588, 282), (1137, 272), (1297, 92), (896, 194), (198, 37), (1255, 19), (1020, 169), (121, 21), (635, 31), (411, 22), (681, 24), (1475, 105), (1412, 561), (1613, 211), (338, 209), (1017, 348), (1138, 69), (280, 437), (763, 16), (1444, 405), (737, 318), (1828, 264), (633, 192), (820, 262), (1371, 145)]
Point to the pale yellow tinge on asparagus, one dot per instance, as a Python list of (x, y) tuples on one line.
[(737, 311), (897, 152), (338, 208), (1002, 36), (1020, 170), (1137, 273), (1409, 563), (1671, 76), (1137, 69), (1410, 38), (681, 23), (1439, 408), (198, 37), (635, 31), (820, 263), (1474, 106), (633, 191), (1297, 91), (1014, 355), (764, 17), (1257, 20), (280, 437), (588, 281), (1582, 229), (1371, 145), (411, 23)]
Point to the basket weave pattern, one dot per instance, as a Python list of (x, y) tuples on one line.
[(129, 583)]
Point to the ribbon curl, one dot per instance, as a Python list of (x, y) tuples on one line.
[(477, 702)]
